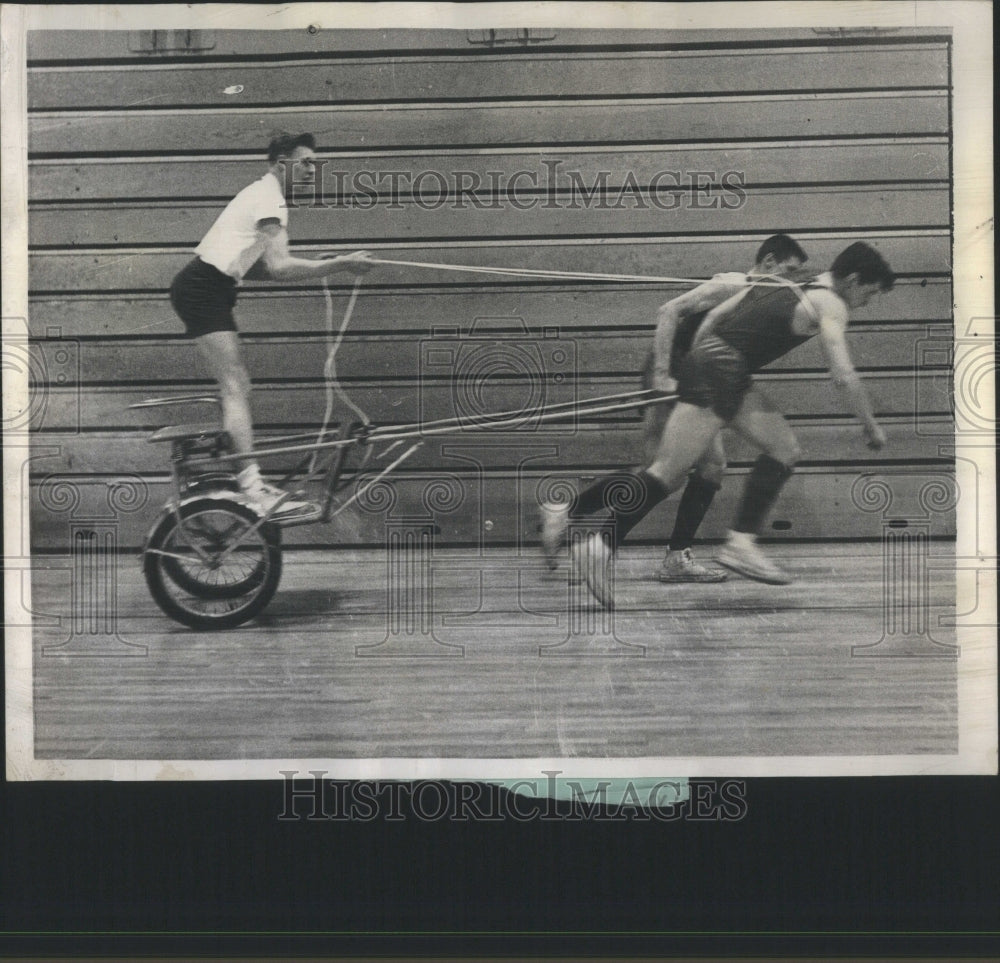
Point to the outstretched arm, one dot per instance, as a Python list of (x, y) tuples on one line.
[(280, 265), (832, 333)]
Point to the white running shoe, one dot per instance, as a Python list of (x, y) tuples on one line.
[(741, 554), (554, 521), (681, 567), (264, 497), (593, 559)]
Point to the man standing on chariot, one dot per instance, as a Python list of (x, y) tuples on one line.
[(250, 237)]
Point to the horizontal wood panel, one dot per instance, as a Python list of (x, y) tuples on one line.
[(263, 310), (377, 127), (220, 177), (837, 140), (303, 404), (94, 45), (628, 213), (815, 504), (562, 355), (682, 257), (502, 75), (608, 445)]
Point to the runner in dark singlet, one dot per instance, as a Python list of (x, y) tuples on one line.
[(677, 322), (715, 389)]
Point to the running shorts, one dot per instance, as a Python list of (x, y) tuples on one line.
[(714, 375), (203, 298)]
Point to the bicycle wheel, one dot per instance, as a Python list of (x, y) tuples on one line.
[(208, 567), (213, 534)]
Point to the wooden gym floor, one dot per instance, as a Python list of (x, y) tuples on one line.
[(737, 668)]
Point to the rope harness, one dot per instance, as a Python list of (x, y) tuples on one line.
[(397, 435)]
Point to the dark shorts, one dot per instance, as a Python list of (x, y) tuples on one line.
[(714, 375), (203, 298)]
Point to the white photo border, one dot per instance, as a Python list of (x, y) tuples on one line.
[(971, 27)]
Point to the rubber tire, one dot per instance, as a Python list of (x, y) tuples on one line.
[(262, 590)]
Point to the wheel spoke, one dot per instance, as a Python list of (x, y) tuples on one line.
[(212, 565)]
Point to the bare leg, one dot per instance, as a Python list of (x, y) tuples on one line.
[(688, 432), (699, 492), (654, 420), (712, 464), (686, 438), (759, 422), (703, 483), (221, 350)]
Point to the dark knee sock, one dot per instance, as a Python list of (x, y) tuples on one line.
[(636, 505), (760, 493), (691, 511), (595, 498)]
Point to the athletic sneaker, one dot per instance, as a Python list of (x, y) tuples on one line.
[(263, 497), (741, 554), (680, 566), (554, 521), (592, 557)]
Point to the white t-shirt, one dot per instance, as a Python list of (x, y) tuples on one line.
[(232, 243)]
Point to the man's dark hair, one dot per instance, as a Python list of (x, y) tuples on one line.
[(782, 247), (864, 261), (285, 144)]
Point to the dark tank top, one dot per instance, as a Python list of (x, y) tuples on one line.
[(760, 326)]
